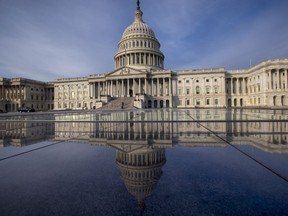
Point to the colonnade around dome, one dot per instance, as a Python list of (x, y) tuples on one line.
[(138, 59)]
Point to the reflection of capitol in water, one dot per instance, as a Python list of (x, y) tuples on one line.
[(140, 170), (158, 128), (25, 131), (166, 129)]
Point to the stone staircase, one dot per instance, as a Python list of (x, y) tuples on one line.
[(116, 104)]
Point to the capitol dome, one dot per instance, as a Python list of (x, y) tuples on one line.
[(138, 28), (139, 47)]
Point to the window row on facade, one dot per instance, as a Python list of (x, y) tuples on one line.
[(198, 90)]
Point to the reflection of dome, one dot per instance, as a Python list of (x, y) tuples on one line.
[(140, 171), (138, 46)]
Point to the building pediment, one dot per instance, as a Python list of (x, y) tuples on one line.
[(126, 72)]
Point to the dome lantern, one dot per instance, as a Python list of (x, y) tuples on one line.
[(138, 13)]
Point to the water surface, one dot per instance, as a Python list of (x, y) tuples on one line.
[(160, 162)]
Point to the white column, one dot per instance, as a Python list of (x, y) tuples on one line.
[(149, 59), (279, 79), (117, 88), (231, 85), (134, 89), (271, 80), (237, 86), (145, 58), (145, 86), (286, 79), (163, 86), (139, 87), (94, 89), (170, 86), (90, 90), (128, 86), (157, 90), (111, 88), (152, 87)]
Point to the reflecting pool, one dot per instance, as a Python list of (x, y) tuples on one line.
[(145, 162)]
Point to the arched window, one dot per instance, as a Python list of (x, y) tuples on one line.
[(197, 90)]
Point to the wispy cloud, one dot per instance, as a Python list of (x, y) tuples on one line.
[(66, 45), (47, 40), (231, 38)]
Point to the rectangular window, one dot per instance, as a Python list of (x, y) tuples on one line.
[(188, 102), (216, 101), (187, 91), (208, 101)]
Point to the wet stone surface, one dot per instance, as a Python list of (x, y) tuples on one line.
[(161, 162)]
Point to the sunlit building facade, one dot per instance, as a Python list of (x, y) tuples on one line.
[(21, 92), (140, 79)]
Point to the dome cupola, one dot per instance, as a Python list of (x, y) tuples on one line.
[(139, 47)]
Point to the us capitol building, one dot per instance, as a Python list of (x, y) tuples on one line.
[(140, 80)]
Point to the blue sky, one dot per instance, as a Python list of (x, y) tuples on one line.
[(51, 39)]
